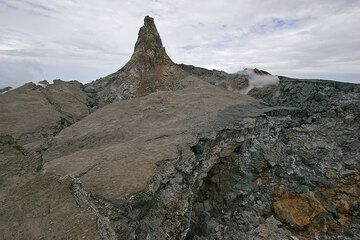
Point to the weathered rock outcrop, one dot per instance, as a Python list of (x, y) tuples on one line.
[(160, 150)]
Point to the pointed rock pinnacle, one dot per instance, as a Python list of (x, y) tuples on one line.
[(149, 69), (149, 51)]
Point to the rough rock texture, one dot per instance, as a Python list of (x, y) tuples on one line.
[(159, 150)]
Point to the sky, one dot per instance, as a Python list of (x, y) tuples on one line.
[(87, 39)]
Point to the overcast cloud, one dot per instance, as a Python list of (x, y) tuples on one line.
[(88, 39)]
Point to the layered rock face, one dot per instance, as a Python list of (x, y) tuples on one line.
[(160, 150)]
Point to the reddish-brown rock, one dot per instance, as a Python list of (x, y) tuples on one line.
[(298, 210)]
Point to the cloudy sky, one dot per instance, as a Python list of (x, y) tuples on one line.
[(87, 39)]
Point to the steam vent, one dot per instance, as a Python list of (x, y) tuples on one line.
[(160, 150)]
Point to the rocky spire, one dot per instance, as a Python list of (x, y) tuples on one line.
[(149, 51), (149, 69)]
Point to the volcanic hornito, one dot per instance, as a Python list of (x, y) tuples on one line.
[(159, 150)]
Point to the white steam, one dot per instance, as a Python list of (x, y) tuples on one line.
[(43, 85), (257, 80)]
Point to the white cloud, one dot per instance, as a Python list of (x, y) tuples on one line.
[(87, 39)]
